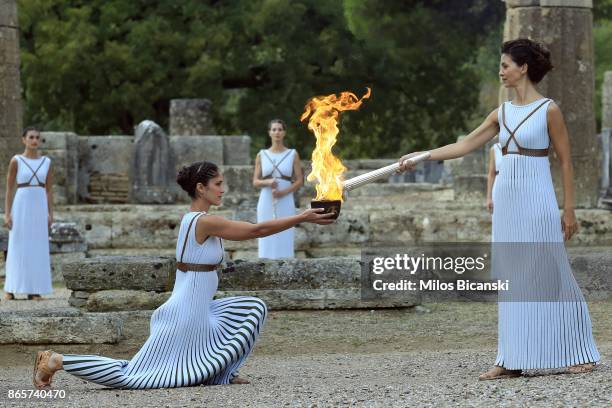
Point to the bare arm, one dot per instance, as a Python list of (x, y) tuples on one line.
[(258, 181), (241, 231), (477, 138), (11, 183), (560, 141), (49, 189)]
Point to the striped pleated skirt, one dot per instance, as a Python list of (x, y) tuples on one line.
[(194, 340)]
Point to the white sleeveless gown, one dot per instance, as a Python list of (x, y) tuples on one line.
[(194, 339), (279, 245), (547, 324), (28, 264)]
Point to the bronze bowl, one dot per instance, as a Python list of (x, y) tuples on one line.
[(329, 206)]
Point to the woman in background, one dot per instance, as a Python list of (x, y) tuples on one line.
[(28, 215), (278, 173)]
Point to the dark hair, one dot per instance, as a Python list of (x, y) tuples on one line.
[(534, 54), (199, 172), (29, 129), (279, 121)]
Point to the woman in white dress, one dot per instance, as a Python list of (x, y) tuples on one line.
[(495, 158), (28, 216), (194, 339), (544, 322), (278, 173)]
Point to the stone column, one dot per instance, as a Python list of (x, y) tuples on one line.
[(191, 117), (10, 89), (606, 135), (606, 105), (566, 28)]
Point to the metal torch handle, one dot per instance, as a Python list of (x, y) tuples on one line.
[(386, 171)]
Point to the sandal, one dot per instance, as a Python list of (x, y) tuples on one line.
[(498, 373), (581, 368), (41, 365), (34, 297), (9, 296)]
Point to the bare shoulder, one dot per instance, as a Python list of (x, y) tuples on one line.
[(553, 112), (553, 108), (493, 115), (211, 219)]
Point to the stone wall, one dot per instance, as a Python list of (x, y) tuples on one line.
[(106, 284), (104, 168), (62, 149), (191, 117), (103, 162)]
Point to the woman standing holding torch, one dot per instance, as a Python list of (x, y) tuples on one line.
[(551, 331), (278, 173)]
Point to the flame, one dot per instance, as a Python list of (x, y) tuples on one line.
[(327, 169)]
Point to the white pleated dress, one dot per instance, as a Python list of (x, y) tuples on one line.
[(280, 166), (544, 321), (28, 265), (194, 339)]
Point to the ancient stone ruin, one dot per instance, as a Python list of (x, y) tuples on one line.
[(118, 208), (151, 168)]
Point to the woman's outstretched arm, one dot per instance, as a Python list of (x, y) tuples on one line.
[(241, 231), (477, 138)]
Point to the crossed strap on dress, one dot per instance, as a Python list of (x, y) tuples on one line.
[(275, 167), (522, 150), (34, 175), (185, 267)]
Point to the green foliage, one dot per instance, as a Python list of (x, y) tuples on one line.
[(102, 66), (602, 38)]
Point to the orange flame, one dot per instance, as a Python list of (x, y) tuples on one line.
[(327, 169)]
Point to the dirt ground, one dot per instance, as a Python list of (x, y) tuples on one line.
[(428, 356)]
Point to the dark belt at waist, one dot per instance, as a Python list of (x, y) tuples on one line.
[(289, 179), (30, 185), (184, 267), (527, 152)]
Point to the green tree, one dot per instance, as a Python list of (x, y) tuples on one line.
[(102, 66), (602, 38)]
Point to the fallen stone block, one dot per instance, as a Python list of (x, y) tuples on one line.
[(59, 326), (120, 272)]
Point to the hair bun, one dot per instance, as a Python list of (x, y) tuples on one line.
[(188, 177)]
